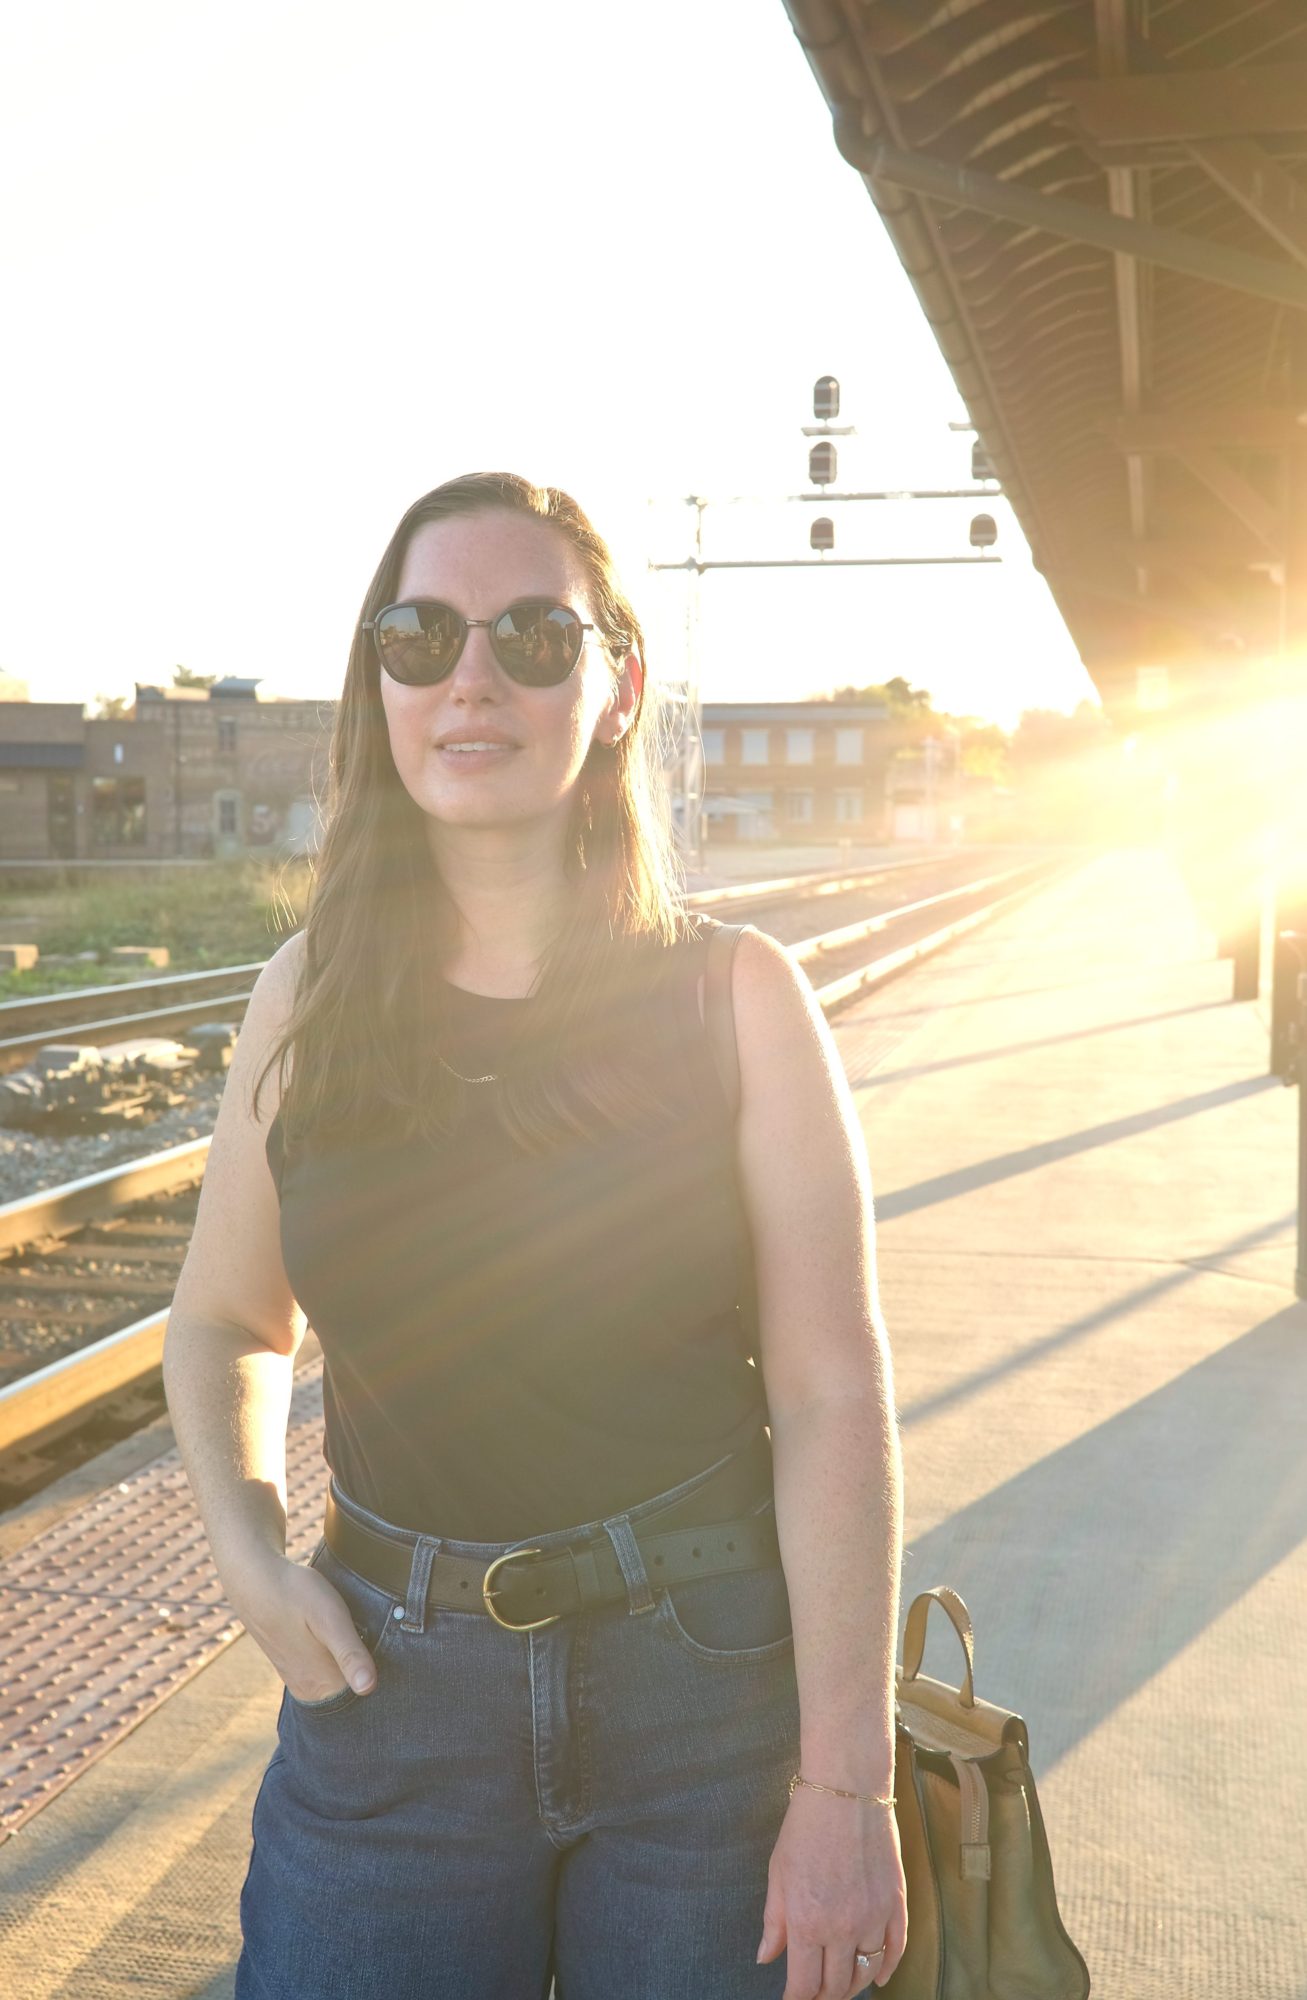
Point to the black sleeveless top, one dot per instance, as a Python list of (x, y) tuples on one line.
[(516, 1343)]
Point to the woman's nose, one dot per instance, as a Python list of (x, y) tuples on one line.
[(476, 670)]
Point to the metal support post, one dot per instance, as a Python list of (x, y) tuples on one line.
[(693, 813), (1290, 887), (1290, 913), (1296, 942)]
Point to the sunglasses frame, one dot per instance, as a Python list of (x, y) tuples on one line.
[(482, 624)]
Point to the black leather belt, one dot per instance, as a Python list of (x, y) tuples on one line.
[(706, 1533)]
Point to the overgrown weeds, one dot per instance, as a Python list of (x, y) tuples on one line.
[(221, 913)]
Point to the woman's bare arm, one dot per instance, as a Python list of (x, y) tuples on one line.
[(826, 1365), (835, 1881), (234, 1326), (233, 1332)]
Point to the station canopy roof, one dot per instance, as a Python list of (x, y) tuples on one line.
[(1102, 205)]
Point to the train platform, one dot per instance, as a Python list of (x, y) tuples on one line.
[(1086, 1224)]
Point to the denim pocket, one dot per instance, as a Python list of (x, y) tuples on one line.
[(742, 1616), (373, 1611)]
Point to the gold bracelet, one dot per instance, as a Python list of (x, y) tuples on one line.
[(868, 1798)]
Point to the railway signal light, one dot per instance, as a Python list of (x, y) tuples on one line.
[(822, 464)]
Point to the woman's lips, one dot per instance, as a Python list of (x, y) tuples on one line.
[(474, 760)]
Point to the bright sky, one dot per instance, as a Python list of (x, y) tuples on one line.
[(276, 268)]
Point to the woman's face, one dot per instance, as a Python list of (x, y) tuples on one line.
[(481, 563)]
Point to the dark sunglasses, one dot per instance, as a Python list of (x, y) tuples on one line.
[(536, 641)]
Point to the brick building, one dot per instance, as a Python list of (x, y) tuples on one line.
[(187, 773), (797, 770), (190, 773)]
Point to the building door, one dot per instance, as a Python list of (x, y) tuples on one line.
[(60, 816), (756, 822)]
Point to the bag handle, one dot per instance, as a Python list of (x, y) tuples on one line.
[(914, 1636)]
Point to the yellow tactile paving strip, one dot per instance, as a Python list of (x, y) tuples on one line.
[(108, 1613)]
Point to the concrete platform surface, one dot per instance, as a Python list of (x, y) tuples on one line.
[(1085, 1192)]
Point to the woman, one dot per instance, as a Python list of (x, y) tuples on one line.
[(651, 1753)]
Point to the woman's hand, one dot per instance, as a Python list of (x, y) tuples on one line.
[(305, 1627), (834, 1886)]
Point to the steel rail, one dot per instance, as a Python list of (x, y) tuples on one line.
[(841, 992), (807, 885), (59, 1210), (16, 1015), (63, 1392), (116, 1027), (839, 940), (53, 1398)]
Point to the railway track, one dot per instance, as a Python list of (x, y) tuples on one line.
[(88, 1269), (173, 1002)]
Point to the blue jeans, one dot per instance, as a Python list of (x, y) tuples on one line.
[(594, 1803)]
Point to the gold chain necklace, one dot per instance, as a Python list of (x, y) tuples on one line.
[(459, 1074)]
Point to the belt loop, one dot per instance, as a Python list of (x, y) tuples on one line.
[(419, 1581), (622, 1536)]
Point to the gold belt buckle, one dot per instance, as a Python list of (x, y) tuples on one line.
[(514, 1555)]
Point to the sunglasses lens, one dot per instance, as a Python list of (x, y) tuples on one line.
[(538, 644), (418, 643)]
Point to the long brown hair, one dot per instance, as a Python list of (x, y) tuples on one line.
[(369, 1016)]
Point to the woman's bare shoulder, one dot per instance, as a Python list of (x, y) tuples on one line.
[(773, 994), (285, 969), (795, 1097), (233, 1273), (806, 1182)]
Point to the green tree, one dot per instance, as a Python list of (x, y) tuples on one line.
[(897, 695), (182, 677), (984, 750), (904, 699)]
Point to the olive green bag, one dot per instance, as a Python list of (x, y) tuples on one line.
[(983, 1921)]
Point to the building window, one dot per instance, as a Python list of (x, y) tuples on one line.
[(118, 812), (798, 746), (117, 753), (755, 747), (848, 746), (228, 813), (848, 806), (798, 806), (714, 746), (226, 735)]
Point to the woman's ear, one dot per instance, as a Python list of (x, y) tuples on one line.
[(620, 712)]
